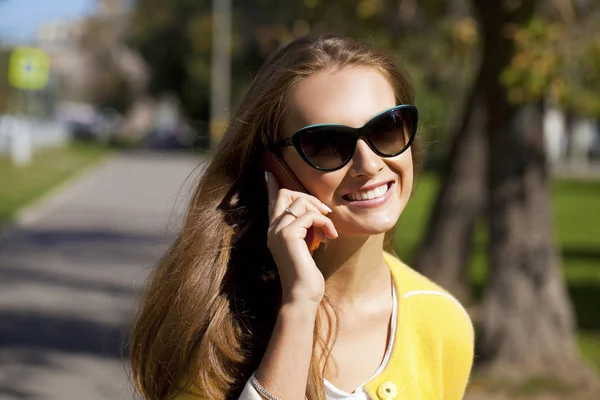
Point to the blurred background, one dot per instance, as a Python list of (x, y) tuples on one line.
[(108, 107)]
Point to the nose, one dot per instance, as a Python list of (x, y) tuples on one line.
[(365, 162)]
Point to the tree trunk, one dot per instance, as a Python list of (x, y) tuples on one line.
[(443, 253), (526, 319)]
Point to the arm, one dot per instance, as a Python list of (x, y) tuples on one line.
[(284, 367), (458, 351), (283, 371)]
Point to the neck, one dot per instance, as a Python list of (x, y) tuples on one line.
[(353, 268)]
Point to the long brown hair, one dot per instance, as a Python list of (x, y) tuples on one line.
[(211, 302)]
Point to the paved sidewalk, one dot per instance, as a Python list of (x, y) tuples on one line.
[(71, 270)]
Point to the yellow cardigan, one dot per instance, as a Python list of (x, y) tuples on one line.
[(433, 348), (432, 353)]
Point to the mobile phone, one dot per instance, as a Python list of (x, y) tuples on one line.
[(288, 180)]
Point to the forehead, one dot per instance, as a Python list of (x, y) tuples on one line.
[(350, 96)]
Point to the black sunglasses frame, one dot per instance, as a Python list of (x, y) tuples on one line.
[(356, 133)]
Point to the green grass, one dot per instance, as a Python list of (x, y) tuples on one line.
[(576, 207), (19, 186)]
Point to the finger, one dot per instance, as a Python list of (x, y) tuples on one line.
[(310, 219), (298, 207), (286, 197), (322, 207)]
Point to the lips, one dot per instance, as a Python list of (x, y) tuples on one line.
[(369, 192)]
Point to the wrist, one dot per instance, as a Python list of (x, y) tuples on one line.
[(301, 298), (305, 309)]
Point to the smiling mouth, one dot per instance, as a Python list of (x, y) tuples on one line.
[(366, 195)]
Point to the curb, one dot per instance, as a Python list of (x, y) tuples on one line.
[(34, 210)]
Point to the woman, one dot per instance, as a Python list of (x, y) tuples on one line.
[(240, 308)]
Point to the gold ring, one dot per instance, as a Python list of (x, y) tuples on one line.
[(289, 211)]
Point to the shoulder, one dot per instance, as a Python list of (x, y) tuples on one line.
[(436, 326), (430, 303), (411, 279)]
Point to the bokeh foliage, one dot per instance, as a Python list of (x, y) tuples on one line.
[(433, 39), (558, 58)]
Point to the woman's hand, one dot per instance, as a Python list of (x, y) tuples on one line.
[(301, 280)]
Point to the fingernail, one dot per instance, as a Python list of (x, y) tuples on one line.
[(266, 177), (327, 208)]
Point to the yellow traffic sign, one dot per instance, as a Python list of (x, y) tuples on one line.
[(29, 68)]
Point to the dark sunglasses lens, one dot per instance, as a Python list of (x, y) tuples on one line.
[(327, 148), (391, 132)]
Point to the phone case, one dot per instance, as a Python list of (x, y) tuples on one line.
[(288, 180)]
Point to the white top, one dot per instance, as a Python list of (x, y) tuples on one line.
[(332, 392)]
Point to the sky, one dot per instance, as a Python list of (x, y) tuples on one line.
[(20, 19)]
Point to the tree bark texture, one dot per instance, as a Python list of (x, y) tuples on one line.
[(526, 320), (443, 254)]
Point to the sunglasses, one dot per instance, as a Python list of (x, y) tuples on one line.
[(329, 147)]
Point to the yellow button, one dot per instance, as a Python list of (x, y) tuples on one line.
[(387, 391)]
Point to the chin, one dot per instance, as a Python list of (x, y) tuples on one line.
[(373, 226), (377, 229), (370, 222)]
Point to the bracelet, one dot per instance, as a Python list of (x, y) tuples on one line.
[(261, 389)]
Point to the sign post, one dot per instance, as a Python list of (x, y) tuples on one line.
[(28, 70)]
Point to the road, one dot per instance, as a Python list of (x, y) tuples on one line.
[(71, 269)]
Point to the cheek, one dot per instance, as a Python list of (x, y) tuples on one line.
[(323, 186), (403, 167), (319, 184)]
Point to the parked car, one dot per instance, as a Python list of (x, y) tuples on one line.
[(85, 122)]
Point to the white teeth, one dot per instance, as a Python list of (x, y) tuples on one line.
[(369, 194)]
